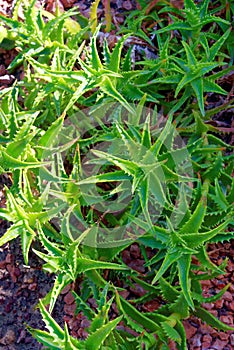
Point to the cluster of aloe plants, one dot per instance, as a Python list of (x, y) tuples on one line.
[(103, 155)]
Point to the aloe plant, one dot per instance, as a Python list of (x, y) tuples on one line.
[(69, 165), (34, 36), (100, 331), (189, 74), (194, 18)]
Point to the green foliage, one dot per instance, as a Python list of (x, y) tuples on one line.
[(67, 213), (194, 18), (56, 338)]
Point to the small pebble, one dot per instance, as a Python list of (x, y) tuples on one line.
[(219, 304), (124, 293), (232, 339), (208, 306), (227, 296), (69, 298), (214, 312), (70, 309), (231, 305), (85, 323), (127, 5), (223, 336), (8, 338), (66, 289), (196, 341), (189, 329), (32, 286), (9, 258), (219, 344), (135, 251), (226, 319), (3, 70), (207, 338), (67, 3)]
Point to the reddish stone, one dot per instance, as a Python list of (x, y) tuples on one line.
[(85, 323), (223, 336), (172, 345), (3, 70), (32, 286), (228, 245), (70, 309), (73, 333), (75, 324), (2, 264), (135, 251), (219, 304), (205, 329), (220, 277), (219, 344), (9, 258), (214, 312), (205, 345), (219, 284), (206, 283), (66, 289), (207, 338), (230, 266), (214, 333), (126, 256), (196, 341), (70, 322), (231, 305), (66, 318), (119, 19), (114, 308), (232, 339), (138, 265), (208, 306), (11, 270), (82, 333), (124, 293), (17, 272), (212, 246), (92, 303), (152, 305), (80, 316), (69, 298), (189, 329), (138, 290), (51, 6), (227, 296), (220, 261), (9, 338), (127, 5), (68, 3), (226, 319)]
